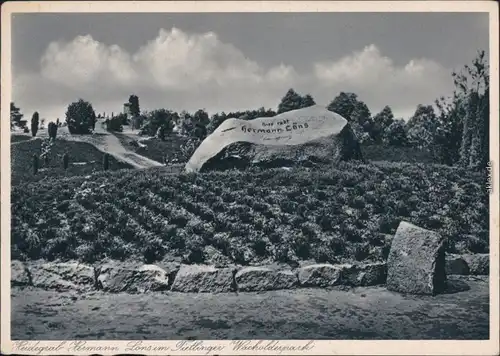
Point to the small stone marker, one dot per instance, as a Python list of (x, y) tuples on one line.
[(416, 262)]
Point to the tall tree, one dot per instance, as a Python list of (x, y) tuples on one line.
[(422, 127), (80, 117), (355, 111), (291, 101), (473, 89), (15, 114), (381, 123), (395, 133), (134, 105), (34, 123), (307, 101)]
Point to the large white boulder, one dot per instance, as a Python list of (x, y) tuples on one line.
[(309, 134)]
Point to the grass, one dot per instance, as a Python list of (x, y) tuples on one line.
[(84, 159), (19, 138), (334, 214)]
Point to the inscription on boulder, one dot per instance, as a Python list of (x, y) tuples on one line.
[(289, 137)]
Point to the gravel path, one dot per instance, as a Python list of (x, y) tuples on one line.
[(361, 313), (106, 142)]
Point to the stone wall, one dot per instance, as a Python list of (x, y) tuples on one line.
[(115, 277)]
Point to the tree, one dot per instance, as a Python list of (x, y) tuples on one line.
[(52, 129), (353, 110), (34, 123), (381, 123), (348, 106), (448, 136), (395, 133), (134, 105), (291, 101), (422, 127), (473, 90), (216, 120), (116, 123), (200, 122), (15, 115), (159, 118), (80, 117), (307, 101)]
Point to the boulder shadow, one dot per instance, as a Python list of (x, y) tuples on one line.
[(455, 285)]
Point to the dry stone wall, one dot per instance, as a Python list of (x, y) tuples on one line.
[(117, 277)]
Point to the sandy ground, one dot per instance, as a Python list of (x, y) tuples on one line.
[(361, 313), (106, 142)]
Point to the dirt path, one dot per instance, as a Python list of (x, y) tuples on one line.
[(108, 143), (361, 313)]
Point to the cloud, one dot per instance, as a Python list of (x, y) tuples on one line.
[(178, 70), (379, 81)]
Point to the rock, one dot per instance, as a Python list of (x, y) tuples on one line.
[(19, 274), (63, 276), (416, 262), (479, 263), (202, 278), (251, 279), (456, 265), (368, 274), (319, 275), (132, 278), (299, 137)]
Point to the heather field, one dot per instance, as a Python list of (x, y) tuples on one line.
[(328, 214)]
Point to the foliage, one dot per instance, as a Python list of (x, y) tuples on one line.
[(80, 117), (116, 123), (34, 123), (169, 150), (134, 105), (334, 214), (293, 101), (422, 126), (52, 130), (15, 115), (473, 88), (160, 118), (355, 111), (381, 123), (35, 163), (395, 133)]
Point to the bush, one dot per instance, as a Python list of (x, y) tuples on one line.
[(52, 129), (116, 123), (138, 206), (80, 117)]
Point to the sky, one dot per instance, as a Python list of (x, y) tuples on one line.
[(238, 61)]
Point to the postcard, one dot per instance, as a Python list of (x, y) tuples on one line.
[(250, 178)]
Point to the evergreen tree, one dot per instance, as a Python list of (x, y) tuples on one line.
[(34, 123)]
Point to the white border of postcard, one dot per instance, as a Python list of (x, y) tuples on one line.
[(226, 347)]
